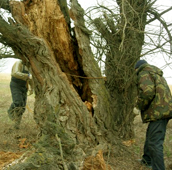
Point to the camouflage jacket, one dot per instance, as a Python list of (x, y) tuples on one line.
[(154, 96)]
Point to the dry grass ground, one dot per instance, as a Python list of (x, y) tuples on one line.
[(14, 143)]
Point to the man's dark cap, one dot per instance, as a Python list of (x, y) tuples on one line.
[(139, 63)]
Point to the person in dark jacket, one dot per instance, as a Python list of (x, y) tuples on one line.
[(21, 82), (155, 103)]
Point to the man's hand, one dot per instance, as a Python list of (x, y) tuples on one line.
[(30, 92), (30, 76)]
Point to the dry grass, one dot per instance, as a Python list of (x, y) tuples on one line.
[(13, 143)]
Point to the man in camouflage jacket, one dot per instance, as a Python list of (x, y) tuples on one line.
[(155, 104)]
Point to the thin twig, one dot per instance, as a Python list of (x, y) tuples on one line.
[(61, 152)]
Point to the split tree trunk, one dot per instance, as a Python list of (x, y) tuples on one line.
[(71, 103)]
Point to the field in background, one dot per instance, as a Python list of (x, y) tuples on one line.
[(14, 143)]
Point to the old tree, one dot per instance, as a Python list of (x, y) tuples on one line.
[(78, 111)]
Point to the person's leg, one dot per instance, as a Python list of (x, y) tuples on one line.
[(17, 120), (24, 96), (10, 111), (16, 98), (18, 106), (21, 108), (146, 159), (155, 139)]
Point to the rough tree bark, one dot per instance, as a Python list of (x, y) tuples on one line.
[(71, 104)]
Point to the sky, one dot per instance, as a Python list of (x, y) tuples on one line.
[(157, 60)]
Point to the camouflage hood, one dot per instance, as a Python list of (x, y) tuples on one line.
[(154, 96), (150, 68)]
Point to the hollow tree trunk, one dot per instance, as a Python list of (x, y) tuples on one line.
[(71, 103)]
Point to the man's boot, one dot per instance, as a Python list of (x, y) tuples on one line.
[(17, 120), (11, 113)]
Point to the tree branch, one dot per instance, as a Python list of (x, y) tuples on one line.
[(158, 16), (4, 4), (102, 29), (7, 56)]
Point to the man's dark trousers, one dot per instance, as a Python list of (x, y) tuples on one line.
[(19, 97), (153, 148)]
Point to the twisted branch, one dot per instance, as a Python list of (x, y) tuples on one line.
[(158, 16)]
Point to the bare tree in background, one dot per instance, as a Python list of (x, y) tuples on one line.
[(77, 110)]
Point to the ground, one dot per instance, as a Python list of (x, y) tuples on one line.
[(15, 144)]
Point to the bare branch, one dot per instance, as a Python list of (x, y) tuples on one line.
[(158, 16), (4, 4), (7, 56)]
